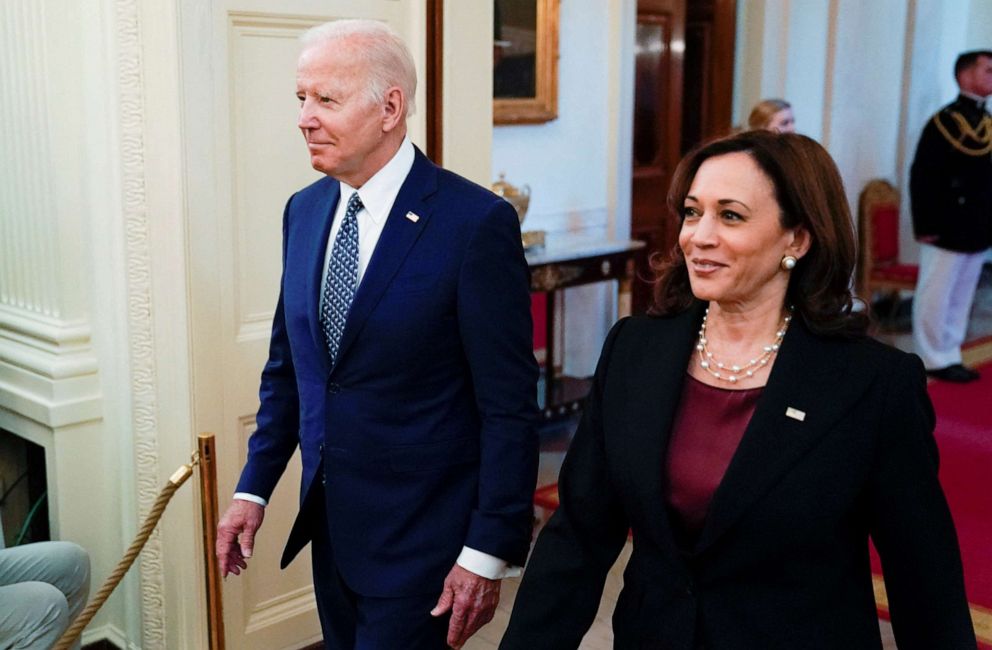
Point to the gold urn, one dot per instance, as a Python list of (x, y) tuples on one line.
[(520, 200)]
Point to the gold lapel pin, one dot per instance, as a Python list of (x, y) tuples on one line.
[(795, 414), (413, 217)]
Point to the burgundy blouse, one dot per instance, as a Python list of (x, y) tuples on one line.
[(708, 427)]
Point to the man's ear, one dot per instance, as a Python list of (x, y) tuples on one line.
[(393, 109)]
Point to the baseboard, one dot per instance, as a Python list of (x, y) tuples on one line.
[(102, 644), (106, 637)]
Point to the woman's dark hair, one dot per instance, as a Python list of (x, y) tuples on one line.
[(810, 194)]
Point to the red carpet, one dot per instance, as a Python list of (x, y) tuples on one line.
[(547, 497), (964, 436)]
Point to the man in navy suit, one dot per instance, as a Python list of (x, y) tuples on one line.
[(401, 363)]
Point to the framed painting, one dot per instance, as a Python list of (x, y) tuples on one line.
[(525, 61)]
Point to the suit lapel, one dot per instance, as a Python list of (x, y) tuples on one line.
[(810, 378), (653, 391), (318, 230), (398, 236)]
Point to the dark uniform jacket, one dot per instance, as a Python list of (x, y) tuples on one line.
[(782, 560), (951, 178)]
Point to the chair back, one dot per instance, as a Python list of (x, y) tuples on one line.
[(878, 229), (885, 234)]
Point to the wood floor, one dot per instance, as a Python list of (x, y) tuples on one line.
[(599, 636)]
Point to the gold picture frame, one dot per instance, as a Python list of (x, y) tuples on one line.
[(525, 61)]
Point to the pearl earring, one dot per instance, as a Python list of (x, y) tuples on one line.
[(788, 263)]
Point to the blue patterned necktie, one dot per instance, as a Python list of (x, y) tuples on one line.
[(342, 278)]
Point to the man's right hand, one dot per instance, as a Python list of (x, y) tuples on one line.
[(236, 535)]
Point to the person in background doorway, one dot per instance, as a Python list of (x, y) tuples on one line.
[(950, 187), (772, 115)]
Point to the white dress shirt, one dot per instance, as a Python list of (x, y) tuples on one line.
[(378, 195)]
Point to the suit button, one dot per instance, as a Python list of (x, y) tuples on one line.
[(688, 588), (333, 388)]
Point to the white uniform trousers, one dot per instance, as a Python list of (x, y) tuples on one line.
[(942, 303)]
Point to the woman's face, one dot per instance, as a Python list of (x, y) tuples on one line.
[(732, 236), (783, 122)]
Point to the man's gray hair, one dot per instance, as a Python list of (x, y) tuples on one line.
[(387, 57)]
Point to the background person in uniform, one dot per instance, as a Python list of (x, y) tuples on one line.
[(772, 115), (951, 191), (43, 588), (752, 438), (401, 363)]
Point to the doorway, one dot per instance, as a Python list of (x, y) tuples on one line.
[(683, 92)]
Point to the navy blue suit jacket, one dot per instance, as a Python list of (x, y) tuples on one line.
[(424, 426)]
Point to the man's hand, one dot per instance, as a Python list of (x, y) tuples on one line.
[(472, 600), (242, 518)]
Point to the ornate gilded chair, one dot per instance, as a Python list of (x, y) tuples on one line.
[(879, 267)]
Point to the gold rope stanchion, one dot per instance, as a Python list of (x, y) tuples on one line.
[(175, 481), (208, 513)]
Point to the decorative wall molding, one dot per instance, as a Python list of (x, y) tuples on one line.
[(48, 371), (54, 388), (28, 278), (131, 86), (107, 636), (281, 608), (51, 331)]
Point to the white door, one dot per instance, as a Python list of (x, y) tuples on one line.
[(244, 157)]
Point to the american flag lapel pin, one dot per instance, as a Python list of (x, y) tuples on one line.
[(413, 216), (795, 414)]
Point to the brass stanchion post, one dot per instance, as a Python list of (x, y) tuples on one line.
[(209, 514)]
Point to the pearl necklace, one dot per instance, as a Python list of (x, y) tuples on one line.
[(733, 372)]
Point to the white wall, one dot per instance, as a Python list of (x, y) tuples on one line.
[(59, 350), (863, 76), (863, 106), (979, 35), (575, 165), (467, 109), (839, 63), (564, 161)]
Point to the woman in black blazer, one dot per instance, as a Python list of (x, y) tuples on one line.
[(751, 437)]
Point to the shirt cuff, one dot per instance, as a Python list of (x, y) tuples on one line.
[(244, 496), (487, 566)]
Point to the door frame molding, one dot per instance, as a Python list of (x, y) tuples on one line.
[(434, 80)]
